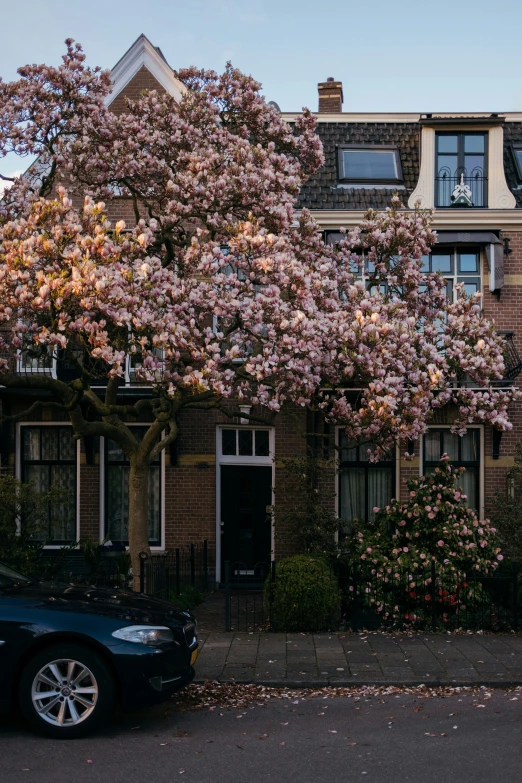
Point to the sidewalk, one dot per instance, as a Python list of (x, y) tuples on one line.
[(307, 660)]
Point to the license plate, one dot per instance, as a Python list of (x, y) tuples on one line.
[(193, 657)]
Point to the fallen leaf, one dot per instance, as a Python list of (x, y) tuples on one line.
[(429, 734), (332, 731), (240, 747)]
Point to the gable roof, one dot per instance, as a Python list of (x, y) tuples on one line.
[(143, 54)]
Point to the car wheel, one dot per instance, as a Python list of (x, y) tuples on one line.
[(66, 691)]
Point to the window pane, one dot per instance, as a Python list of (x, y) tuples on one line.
[(469, 483), (442, 262), (228, 442), (67, 444), (450, 444), (369, 164), (446, 164), (348, 453), (38, 475), (473, 143), (425, 263), (262, 443), (474, 165), (49, 437), (117, 502), (31, 439), (379, 489), (468, 262), (447, 143), (432, 447), (470, 286), (519, 156), (352, 494), (154, 505), (363, 452), (63, 516), (114, 452), (245, 443), (470, 445)]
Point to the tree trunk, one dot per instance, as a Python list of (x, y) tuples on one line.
[(138, 516)]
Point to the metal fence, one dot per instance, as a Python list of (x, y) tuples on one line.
[(245, 606), (170, 574), (111, 569), (433, 597)]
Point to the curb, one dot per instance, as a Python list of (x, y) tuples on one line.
[(435, 683)]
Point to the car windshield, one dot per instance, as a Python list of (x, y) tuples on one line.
[(10, 577)]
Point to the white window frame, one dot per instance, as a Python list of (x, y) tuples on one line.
[(18, 468), (161, 547), (454, 276), (230, 459), (480, 428)]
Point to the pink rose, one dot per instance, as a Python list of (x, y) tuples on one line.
[(440, 542)]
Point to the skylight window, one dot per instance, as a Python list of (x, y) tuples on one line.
[(369, 164)]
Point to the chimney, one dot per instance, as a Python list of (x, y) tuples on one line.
[(330, 96)]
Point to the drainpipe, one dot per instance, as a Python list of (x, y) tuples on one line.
[(492, 268)]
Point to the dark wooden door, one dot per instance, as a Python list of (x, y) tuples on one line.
[(246, 525)]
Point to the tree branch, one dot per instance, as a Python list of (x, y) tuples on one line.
[(166, 441)]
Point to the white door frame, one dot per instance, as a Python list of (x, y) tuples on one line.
[(224, 459)]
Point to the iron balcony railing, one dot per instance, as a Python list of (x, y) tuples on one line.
[(512, 359), (460, 189)]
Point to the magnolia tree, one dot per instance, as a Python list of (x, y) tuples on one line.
[(219, 291)]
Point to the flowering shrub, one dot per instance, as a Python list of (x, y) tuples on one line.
[(434, 534)]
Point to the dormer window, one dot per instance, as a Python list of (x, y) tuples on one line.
[(461, 169), (360, 164)]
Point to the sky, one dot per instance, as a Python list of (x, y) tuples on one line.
[(452, 55)]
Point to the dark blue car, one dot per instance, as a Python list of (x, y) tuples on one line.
[(68, 653)]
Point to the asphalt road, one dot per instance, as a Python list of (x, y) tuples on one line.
[(383, 739)]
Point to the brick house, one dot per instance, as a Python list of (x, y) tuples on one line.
[(218, 480)]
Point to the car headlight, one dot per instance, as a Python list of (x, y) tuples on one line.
[(150, 635)]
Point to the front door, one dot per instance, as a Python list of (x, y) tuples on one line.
[(246, 523)]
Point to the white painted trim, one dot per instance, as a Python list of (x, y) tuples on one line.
[(424, 192), (499, 195), (236, 460), (409, 117), (143, 53), (443, 218), (160, 548), (479, 427), (18, 467)]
